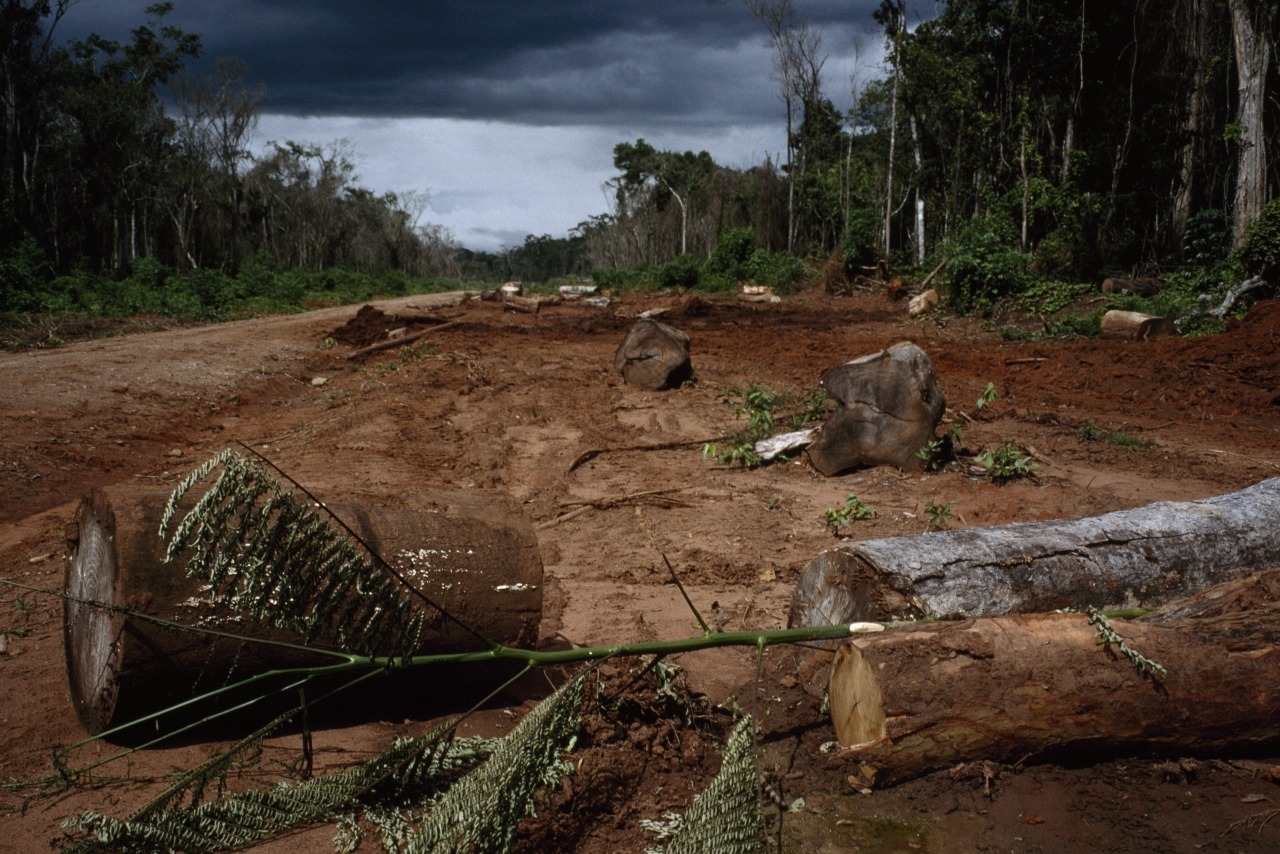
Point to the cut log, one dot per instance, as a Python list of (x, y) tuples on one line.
[(653, 355), (890, 405), (1143, 557), (1028, 687), (473, 557), (1134, 325), (1143, 287), (923, 302)]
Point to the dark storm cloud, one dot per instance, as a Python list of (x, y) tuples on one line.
[(674, 62)]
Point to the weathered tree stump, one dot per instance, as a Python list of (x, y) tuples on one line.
[(478, 560), (1028, 687), (1142, 557), (890, 405), (654, 356)]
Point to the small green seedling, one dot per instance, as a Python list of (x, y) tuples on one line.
[(939, 514), (1006, 463), (841, 517), (987, 397)]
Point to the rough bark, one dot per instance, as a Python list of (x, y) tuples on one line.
[(653, 356), (890, 404), (1252, 22), (1144, 557), (1030, 687), (475, 558), (1134, 325)]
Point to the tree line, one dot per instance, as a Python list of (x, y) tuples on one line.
[(114, 153), (1080, 137), (1058, 139)]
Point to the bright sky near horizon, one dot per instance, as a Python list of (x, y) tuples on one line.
[(507, 113)]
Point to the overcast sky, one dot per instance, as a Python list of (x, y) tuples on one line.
[(507, 113)]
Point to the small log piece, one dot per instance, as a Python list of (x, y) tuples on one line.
[(890, 405), (1134, 325), (476, 558), (1143, 287), (653, 356), (1144, 557), (1043, 687)]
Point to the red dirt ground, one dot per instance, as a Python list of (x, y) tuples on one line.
[(504, 402)]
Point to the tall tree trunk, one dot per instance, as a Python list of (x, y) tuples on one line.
[(915, 139), (1197, 45), (1251, 24)]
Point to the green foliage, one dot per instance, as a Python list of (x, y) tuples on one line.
[(731, 259), (935, 454), (858, 248), (939, 515), (726, 816), (1006, 463), (852, 510), (249, 540), (481, 811), (982, 269), (1262, 239), (1090, 432), (1206, 242), (682, 272), (778, 270), (760, 405), (987, 397), (1048, 296), (24, 272)]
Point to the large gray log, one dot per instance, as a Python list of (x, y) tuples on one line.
[(1143, 557), (653, 355)]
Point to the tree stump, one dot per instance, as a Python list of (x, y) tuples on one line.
[(478, 560), (1142, 557), (890, 403), (1044, 687), (654, 356)]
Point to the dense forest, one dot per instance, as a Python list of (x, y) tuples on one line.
[(1010, 140)]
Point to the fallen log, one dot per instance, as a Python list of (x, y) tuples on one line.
[(401, 341), (1045, 687), (1143, 557), (477, 559), (1134, 325)]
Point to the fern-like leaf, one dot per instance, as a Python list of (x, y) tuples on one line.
[(270, 556), (413, 767), (725, 817), (481, 812)]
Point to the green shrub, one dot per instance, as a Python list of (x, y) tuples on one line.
[(778, 270), (682, 272), (1206, 241), (983, 268), (23, 274), (732, 257), (1261, 239), (858, 248)]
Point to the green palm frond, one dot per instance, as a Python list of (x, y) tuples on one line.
[(480, 813), (415, 768), (272, 557), (725, 817)]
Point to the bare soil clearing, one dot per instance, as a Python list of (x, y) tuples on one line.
[(505, 402)]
